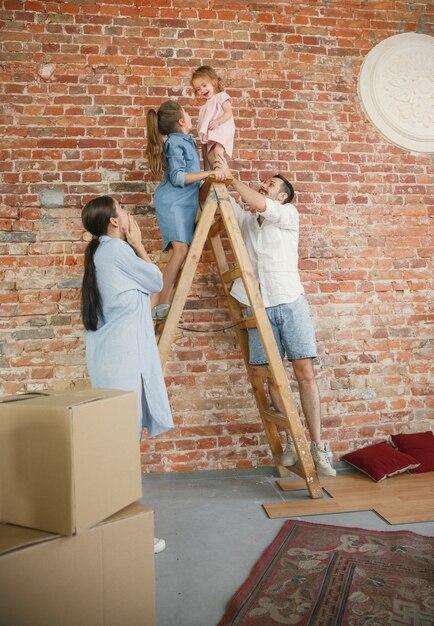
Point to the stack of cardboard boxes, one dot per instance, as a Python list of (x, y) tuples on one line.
[(76, 549)]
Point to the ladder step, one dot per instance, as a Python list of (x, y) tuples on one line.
[(275, 417), (231, 275), (217, 227), (245, 322), (260, 370), (249, 322), (297, 469)]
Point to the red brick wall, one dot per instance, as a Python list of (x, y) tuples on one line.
[(76, 80)]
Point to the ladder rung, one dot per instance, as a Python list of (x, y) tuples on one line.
[(231, 275), (260, 370), (275, 418), (297, 469), (245, 322), (249, 322), (217, 227)]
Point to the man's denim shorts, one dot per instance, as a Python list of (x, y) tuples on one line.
[(292, 328)]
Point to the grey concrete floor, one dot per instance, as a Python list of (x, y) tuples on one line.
[(216, 529)]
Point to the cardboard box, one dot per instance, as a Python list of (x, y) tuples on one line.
[(68, 461), (101, 577)]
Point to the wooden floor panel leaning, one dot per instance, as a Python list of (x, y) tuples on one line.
[(401, 499)]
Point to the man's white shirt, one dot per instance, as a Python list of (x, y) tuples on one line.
[(273, 251)]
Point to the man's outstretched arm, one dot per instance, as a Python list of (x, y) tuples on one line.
[(253, 198)]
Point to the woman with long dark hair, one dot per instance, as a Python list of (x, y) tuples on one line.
[(119, 276), (121, 351)]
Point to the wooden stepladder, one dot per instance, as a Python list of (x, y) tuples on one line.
[(214, 196)]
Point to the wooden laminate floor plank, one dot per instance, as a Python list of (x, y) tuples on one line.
[(400, 499)]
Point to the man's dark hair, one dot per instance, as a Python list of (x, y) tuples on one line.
[(286, 187)]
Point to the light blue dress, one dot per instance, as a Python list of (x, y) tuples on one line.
[(122, 353), (175, 203)]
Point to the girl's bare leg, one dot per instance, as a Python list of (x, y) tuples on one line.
[(177, 256), (216, 150), (154, 299), (206, 163)]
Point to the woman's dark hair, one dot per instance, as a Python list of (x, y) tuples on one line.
[(95, 216), (286, 187)]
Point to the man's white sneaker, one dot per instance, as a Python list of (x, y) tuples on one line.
[(319, 452), (159, 545), (289, 457)]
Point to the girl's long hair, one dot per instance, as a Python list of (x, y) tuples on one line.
[(95, 216), (208, 72), (160, 124)]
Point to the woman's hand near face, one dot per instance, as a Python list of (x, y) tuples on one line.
[(132, 232), (134, 238)]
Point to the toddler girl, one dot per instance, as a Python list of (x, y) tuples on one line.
[(216, 122), (173, 155)]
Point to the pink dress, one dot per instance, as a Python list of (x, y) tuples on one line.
[(224, 134)]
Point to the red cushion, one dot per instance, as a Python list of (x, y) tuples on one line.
[(380, 461), (418, 445)]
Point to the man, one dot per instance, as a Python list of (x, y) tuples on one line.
[(270, 228)]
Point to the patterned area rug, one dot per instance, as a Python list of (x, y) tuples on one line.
[(321, 575)]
